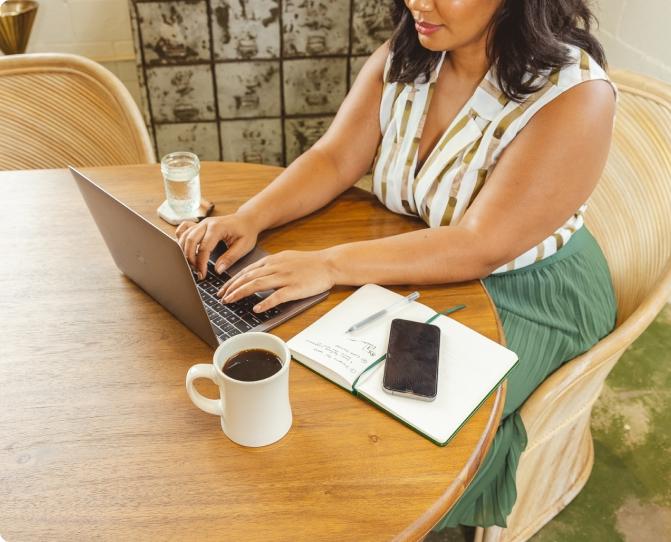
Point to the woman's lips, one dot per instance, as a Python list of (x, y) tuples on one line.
[(426, 28)]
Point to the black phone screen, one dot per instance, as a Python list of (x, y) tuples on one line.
[(411, 367)]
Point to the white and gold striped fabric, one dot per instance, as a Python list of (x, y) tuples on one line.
[(458, 166)]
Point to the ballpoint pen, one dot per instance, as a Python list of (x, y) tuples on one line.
[(379, 314)]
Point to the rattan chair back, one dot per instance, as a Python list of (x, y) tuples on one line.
[(58, 110)]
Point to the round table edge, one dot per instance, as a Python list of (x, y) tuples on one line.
[(424, 523)]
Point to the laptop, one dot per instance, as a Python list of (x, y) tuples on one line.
[(155, 262)]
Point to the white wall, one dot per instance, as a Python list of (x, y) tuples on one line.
[(636, 35), (97, 29)]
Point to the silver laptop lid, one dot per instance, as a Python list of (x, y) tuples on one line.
[(155, 262), (148, 256)]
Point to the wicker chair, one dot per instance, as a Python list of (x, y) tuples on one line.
[(58, 110), (630, 215)]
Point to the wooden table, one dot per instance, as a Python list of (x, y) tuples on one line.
[(98, 439)]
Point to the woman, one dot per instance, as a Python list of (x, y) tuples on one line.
[(491, 120)]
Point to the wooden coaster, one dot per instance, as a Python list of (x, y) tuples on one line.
[(168, 214)]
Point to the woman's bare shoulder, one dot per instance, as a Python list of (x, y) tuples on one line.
[(592, 99), (373, 68)]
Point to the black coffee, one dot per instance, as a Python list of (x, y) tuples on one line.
[(251, 365)]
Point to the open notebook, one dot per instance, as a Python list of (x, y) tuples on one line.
[(471, 366)]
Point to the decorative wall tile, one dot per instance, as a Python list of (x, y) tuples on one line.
[(257, 141), (301, 134), (371, 25), (314, 85), (248, 89), (172, 32), (315, 27), (199, 138), (181, 93), (243, 29), (254, 95), (355, 65)]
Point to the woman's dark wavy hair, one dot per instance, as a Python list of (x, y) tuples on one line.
[(527, 36)]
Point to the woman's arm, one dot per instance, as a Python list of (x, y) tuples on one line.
[(339, 159), (542, 177), (332, 165)]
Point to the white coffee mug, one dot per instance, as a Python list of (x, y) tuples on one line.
[(255, 413)]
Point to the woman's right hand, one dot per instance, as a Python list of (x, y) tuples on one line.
[(198, 240)]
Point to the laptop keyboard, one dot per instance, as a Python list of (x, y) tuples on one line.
[(230, 319)]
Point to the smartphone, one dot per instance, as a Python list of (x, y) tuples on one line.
[(411, 367)]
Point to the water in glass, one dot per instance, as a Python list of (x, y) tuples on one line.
[(181, 174)]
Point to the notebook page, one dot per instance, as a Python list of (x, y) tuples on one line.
[(326, 348), (470, 367)]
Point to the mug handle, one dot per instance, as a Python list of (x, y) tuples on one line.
[(203, 370)]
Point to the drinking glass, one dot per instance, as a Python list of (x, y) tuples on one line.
[(181, 176)]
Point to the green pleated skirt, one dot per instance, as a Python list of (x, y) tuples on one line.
[(551, 311)]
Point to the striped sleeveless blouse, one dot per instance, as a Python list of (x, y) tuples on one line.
[(458, 166)]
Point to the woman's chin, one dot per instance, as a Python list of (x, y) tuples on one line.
[(432, 43)]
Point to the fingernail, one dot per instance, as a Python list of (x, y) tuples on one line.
[(221, 268), (257, 308), (200, 276)]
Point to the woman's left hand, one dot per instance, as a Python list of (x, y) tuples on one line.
[(292, 274)]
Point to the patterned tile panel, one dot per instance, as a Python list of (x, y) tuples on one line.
[(181, 93), (314, 85), (245, 29), (250, 80), (248, 89), (315, 27), (371, 25), (172, 32), (301, 134), (199, 138), (258, 141)]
